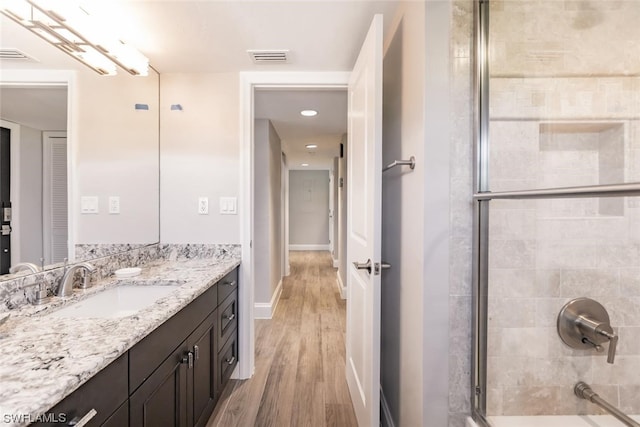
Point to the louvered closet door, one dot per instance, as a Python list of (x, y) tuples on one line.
[(55, 197)]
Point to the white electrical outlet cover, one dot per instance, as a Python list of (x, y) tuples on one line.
[(203, 205), (114, 205)]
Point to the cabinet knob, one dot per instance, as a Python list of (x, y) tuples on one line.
[(229, 316), (231, 283), (196, 352), (230, 361)]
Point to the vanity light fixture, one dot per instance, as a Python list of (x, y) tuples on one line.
[(72, 30), (311, 146), (309, 113)]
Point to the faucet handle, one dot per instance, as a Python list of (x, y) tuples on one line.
[(613, 344)]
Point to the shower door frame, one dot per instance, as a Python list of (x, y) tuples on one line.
[(482, 198)]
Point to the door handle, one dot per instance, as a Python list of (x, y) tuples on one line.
[(363, 266), (187, 359)]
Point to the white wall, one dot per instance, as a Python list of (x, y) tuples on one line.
[(309, 209), (436, 216), (30, 184), (200, 156), (267, 215), (116, 154), (403, 228)]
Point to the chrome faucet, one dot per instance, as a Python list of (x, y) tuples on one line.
[(66, 284), (25, 266)]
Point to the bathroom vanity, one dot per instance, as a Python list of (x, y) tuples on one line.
[(164, 365)]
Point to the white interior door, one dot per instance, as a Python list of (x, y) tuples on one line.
[(364, 228)]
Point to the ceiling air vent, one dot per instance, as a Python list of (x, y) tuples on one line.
[(10, 53), (269, 56)]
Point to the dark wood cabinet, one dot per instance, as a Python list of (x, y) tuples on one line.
[(103, 393), (174, 376), (147, 355), (203, 381), (161, 400), (119, 418)]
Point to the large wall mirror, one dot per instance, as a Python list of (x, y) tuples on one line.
[(79, 157)]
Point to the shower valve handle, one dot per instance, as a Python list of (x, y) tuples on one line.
[(584, 323), (613, 343)]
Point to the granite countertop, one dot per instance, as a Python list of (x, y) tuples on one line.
[(44, 359)]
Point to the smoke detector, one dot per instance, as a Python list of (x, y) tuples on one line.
[(269, 56)]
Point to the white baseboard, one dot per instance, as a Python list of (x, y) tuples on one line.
[(265, 310), (387, 420), (341, 287), (309, 247), (336, 263)]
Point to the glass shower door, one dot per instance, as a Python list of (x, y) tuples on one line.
[(559, 145)]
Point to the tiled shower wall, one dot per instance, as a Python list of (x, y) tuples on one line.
[(461, 213), (548, 132)]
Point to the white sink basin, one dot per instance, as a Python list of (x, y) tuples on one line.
[(113, 303)]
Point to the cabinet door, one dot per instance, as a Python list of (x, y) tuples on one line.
[(203, 386), (161, 401)]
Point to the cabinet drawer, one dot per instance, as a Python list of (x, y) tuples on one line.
[(105, 392), (228, 319), (149, 353), (227, 285), (227, 360)]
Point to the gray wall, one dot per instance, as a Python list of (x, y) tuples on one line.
[(403, 228), (309, 207), (267, 237), (342, 214), (30, 195), (336, 219)]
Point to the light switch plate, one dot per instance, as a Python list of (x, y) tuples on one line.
[(228, 205), (203, 205), (89, 205), (114, 204)]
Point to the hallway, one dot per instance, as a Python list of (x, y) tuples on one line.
[(299, 375)]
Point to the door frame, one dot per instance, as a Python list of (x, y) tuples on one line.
[(14, 186), (249, 82), (43, 78)]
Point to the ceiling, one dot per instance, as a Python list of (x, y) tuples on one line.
[(209, 36), (325, 130), (42, 108), (189, 36)]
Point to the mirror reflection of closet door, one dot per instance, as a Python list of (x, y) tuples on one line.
[(54, 191), (5, 201)]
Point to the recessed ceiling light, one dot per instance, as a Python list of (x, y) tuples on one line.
[(309, 113), (311, 146), (304, 164)]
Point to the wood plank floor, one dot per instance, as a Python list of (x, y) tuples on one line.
[(299, 378)]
